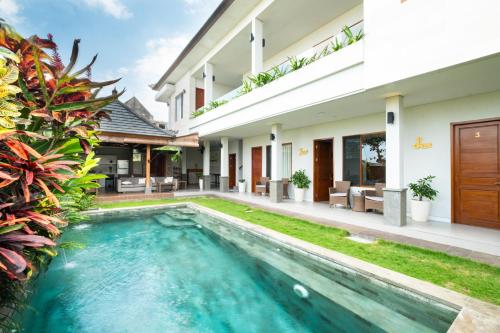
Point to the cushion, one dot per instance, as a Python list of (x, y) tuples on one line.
[(380, 199), (127, 182), (338, 195), (142, 181), (169, 180)]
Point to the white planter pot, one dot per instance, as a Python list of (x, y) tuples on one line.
[(242, 187), (200, 181), (299, 194), (420, 210)]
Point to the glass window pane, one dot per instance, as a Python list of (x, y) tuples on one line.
[(373, 158), (179, 107), (287, 160), (351, 161)]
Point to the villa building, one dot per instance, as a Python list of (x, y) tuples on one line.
[(409, 89)]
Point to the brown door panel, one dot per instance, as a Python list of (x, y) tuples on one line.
[(323, 169), (256, 165), (232, 170), (476, 178)]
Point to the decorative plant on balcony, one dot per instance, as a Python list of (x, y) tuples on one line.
[(204, 109), (294, 63), (352, 38), (48, 117)]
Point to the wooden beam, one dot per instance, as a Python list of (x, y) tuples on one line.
[(181, 141), (148, 169)]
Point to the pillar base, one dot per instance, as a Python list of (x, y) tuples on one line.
[(395, 206), (206, 183), (276, 190), (224, 184)]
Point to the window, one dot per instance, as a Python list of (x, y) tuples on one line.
[(364, 159), (137, 162), (287, 160), (179, 106), (268, 161)]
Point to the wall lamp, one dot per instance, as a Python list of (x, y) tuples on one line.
[(272, 136), (390, 117)]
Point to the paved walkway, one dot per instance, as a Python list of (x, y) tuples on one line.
[(477, 243)]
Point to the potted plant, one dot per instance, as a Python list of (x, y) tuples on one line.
[(301, 182), (241, 186), (423, 194)]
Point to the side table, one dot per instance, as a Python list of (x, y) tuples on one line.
[(358, 204)]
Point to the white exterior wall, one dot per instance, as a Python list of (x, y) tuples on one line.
[(432, 122), (304, 137), (408, 38), (188, 84)]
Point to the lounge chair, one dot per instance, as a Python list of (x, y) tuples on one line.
[(166, 183), (262, 186), (374, 199), (339, 195)]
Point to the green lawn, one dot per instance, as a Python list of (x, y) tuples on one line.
[(465, 276)]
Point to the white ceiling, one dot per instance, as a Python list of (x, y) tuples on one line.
[(285, 23)]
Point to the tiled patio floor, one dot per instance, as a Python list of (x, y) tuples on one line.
[(467, 241)]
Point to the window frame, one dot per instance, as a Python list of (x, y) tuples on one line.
[(181, 96), (291, 156), (361, 136)]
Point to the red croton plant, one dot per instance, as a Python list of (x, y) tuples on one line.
[(48, 116)]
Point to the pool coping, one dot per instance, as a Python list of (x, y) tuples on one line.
[(474, 315)]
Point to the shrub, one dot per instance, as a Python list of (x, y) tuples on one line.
[(48, 116), (423, 189), (300, 179)]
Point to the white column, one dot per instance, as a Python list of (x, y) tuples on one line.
[(257, 48), (395, 191), (206, 158), (276, 153), (394, 144), (224, 157), (209, 83), (184, 161)]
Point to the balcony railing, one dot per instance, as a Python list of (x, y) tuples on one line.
[(348, 36)]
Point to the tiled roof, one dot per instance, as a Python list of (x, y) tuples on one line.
[(135, 105), (124, 120)]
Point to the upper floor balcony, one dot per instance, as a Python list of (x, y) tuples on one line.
[(264, 54)]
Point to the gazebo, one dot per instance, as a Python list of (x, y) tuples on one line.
[(127, 148)]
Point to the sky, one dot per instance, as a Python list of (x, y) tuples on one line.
[(136, 39)]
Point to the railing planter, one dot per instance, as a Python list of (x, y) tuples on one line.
[(293, 64)]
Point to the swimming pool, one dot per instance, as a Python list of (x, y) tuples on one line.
[(177, 270)]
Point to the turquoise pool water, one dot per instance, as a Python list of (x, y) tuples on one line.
[(170, 272)]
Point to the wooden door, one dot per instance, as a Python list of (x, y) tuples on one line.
[(232, 170), (476, 174), (200, 98), (323, 169), (256, 165)]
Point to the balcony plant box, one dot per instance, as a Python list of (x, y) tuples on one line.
[(301, 182), (241, 186), (423, 194)]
